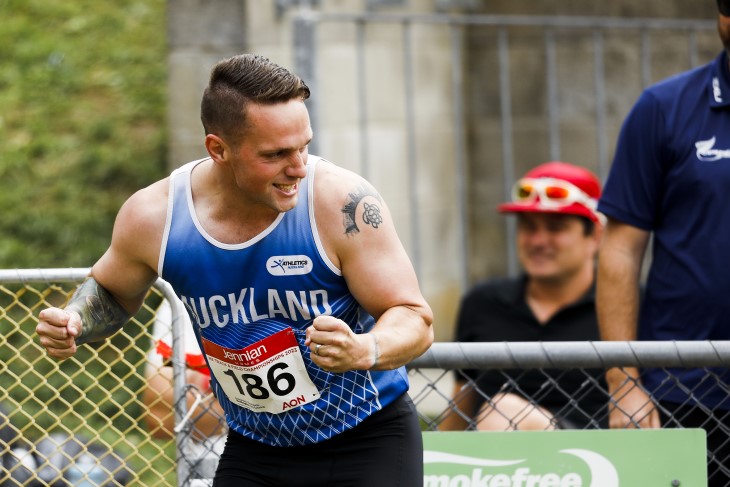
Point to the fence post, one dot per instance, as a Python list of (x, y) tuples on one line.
[(305, 65)]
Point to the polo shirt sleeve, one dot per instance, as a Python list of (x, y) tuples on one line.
[(632, 192), (466, 328), (467, 320), (474, 324)]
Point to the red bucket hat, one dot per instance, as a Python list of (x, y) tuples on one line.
[(556, 187)]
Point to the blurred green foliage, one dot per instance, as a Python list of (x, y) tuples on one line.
[(82, 114)]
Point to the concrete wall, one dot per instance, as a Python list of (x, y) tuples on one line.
[(624, 76), (200, 32), (203, 31)]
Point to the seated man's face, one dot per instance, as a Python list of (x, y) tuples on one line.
[(554, 246)]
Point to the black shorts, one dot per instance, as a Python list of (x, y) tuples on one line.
[(385, 450)]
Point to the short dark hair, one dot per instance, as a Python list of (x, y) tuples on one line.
[(239, 80), (589, 226), (723, 6)]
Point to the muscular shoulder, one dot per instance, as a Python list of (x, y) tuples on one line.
[(339, 193), (129, 266), (334, 183), (347, 210), (148, 206), (141, 220)]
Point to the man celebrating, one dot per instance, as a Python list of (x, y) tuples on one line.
[(558, 231), (299, 290)]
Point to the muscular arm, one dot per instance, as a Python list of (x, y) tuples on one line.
[(128, 268), (359, 236), (619, 265), (101, 316), (617, 303), (118, 282)]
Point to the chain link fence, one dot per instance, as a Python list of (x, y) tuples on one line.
[(87, 418), (82, 419), (449, 372)]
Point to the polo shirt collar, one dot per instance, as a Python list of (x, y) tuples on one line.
[(513, 292), (720, 82)]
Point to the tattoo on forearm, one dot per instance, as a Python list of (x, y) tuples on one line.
[(371, 211), (101, 315)]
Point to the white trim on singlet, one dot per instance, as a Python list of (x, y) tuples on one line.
[(194, 217), (313, 222), (210, 238), (168, 217)]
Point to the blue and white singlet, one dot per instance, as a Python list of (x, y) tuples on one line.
[(250, 304)]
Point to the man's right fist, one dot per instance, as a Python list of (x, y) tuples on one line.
[(57, 330)]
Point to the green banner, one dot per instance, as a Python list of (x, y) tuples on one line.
[(569, 458)]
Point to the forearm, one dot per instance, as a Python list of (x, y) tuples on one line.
[(617, 298), (101, 315), (617, 291), (617, 307), (400, 335)]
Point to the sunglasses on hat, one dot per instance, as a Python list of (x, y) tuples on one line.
[(553, 193), (724, 7)]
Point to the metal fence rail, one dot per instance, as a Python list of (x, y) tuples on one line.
[(563, 355)]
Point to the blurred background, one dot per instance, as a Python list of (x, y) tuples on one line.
[(440, 103)]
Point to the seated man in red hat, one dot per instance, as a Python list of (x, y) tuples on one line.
[(558, 232)]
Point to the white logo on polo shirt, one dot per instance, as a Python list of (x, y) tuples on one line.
[(716, 91), (707, 152)]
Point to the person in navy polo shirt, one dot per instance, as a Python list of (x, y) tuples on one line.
[(670, 178)]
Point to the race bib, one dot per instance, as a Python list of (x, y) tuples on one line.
[(267, 376)]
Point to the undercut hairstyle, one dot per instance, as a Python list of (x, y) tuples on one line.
[(236, 81)]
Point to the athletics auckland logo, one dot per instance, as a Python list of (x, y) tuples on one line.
[(513, 473), (289, 265), (706, 151)]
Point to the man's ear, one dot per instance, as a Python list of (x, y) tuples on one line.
[(217, 148)]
